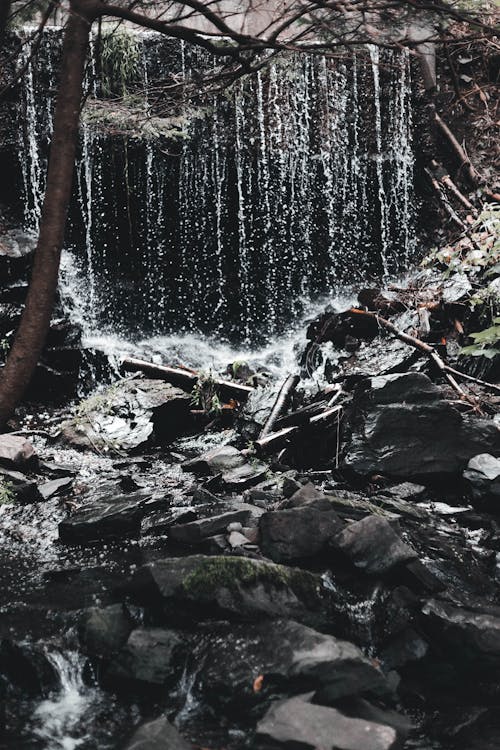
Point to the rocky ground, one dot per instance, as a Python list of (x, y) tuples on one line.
[(311, 567)]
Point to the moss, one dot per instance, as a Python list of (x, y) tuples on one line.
[(7, 493), (234, 573)]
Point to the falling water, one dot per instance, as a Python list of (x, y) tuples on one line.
[(270, 196)]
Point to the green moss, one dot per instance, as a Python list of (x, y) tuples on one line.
[(235, 573), (7, 493)]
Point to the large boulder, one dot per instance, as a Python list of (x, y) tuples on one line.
[(103, 631), (298, 533), (295, 723), (373, 546), (473, 636), (157, 735), (150, 659), (26, 667), (126, 415), (404, 428), (250, 662), (200, 587)]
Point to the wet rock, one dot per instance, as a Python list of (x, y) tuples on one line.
[(236, 472), (306, 495), (483, 477), (474, 636), (405, 648), (290, 486), (285, 658), (55, 487), (118, 517), (373, 546), (405, 429), (380, 300), (24, 489), (157, 735), (149, 659), (407, 491), (127, 414), (200, 587), (25, 666), (16, 451), (360, 708), (261, 498), (298, 533), (194, 532), (103, 631), (160, 521), (295, 723)]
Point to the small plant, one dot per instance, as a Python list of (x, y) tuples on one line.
[(486, 343), (7, 493), (205, 394), (119, 55)]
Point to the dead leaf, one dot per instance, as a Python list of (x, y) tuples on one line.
[(258, 683)]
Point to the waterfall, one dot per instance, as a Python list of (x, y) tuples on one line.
[(258, 200), (59, 720)]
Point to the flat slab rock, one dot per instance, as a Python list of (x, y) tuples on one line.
[(125, 415), (157, 735), (286, 657), (236, 472), (373, 546), (295, 723), (117, 517), (196, 531), (201, 587), (475, 635)]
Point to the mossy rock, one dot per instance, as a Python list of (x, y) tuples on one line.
[(236, 588)]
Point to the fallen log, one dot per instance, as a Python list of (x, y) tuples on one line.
[(301, 416), (185, 379), (275, 440), (427, 349), (281, 404)]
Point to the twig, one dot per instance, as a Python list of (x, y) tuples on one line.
[(281, 404)]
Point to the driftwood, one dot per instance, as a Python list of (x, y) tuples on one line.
[(276, 440), (448, 372), (185, 379), (301, 416), (281, 404)]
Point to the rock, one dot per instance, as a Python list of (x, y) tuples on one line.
[(360, 708), (306, 495), (194, 532), (381, 300), (149, 659), (16, 451), (157, 735), (24, 489), (295, 723), (25, 666), (405, 648), (290, 486), (473, 636), (236, 539), (373, 546), (299, 533), (261, 498), (483, 477), (160, 521), (403, 428), (286, 658), (127, 414), (55, 487), (104, 631), (118, 517), (200, 587), (237, 473), (406, 491)]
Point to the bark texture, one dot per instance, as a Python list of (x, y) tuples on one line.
[(30, 338)]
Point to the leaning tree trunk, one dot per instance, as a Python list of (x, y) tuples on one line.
[(31, 334)]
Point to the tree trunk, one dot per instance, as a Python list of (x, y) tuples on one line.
[(30, 337)]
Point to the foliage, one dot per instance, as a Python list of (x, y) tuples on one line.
[(119, 57), (205, 394), (486, 342), (7, 493)]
